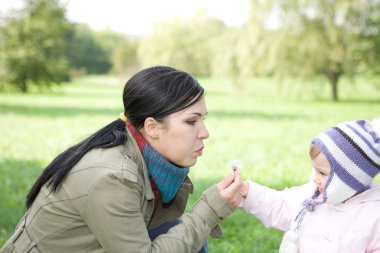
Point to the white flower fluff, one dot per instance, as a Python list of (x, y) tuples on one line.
[(235, 165)]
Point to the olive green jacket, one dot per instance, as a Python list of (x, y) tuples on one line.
[(106, 204)]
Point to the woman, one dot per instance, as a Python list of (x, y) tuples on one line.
[(121, 189)]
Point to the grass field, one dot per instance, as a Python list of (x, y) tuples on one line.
[(269, 131)]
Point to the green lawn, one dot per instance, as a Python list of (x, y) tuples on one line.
[(268, 130)]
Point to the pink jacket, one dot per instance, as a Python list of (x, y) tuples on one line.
[(350, 227)]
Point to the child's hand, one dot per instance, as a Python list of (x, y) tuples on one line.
[(245, 190)]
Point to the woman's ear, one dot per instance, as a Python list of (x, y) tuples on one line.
[(151, 127)]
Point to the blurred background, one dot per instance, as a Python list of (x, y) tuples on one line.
[(276, 73)]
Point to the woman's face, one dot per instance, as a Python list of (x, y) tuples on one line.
[(322, 171), (181, 135)]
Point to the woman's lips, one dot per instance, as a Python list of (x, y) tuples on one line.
[(199, 151)]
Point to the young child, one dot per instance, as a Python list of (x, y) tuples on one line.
[(339, 210)]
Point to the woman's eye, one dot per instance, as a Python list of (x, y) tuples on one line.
[(191, 122)]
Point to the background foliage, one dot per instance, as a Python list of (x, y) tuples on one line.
[(315, 41)]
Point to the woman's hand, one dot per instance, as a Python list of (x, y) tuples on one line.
[(231, 188)]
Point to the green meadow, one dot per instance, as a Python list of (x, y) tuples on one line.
[(265, 125)]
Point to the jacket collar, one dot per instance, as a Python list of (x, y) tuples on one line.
[(131, 149)]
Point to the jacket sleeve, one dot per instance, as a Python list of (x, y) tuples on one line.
[(195, 227), (114, 216), (274, 208)]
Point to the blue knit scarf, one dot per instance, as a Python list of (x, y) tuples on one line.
[(166, 176)]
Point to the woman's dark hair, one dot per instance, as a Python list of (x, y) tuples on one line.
[(153, 92), (157, 92)]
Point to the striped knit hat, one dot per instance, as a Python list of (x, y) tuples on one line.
[(353, 151)]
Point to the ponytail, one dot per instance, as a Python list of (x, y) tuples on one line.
[(111, 135)]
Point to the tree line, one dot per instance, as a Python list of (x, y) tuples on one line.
[(295, 38)]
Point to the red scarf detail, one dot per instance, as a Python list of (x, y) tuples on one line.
[(141, 142)]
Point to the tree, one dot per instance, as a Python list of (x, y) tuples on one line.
[(124, 57), (226, 52), (185, 44), (33, 44), (121, 50), (320, 38), (86, 53)]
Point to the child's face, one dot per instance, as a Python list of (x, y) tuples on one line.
[(322, 171)]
